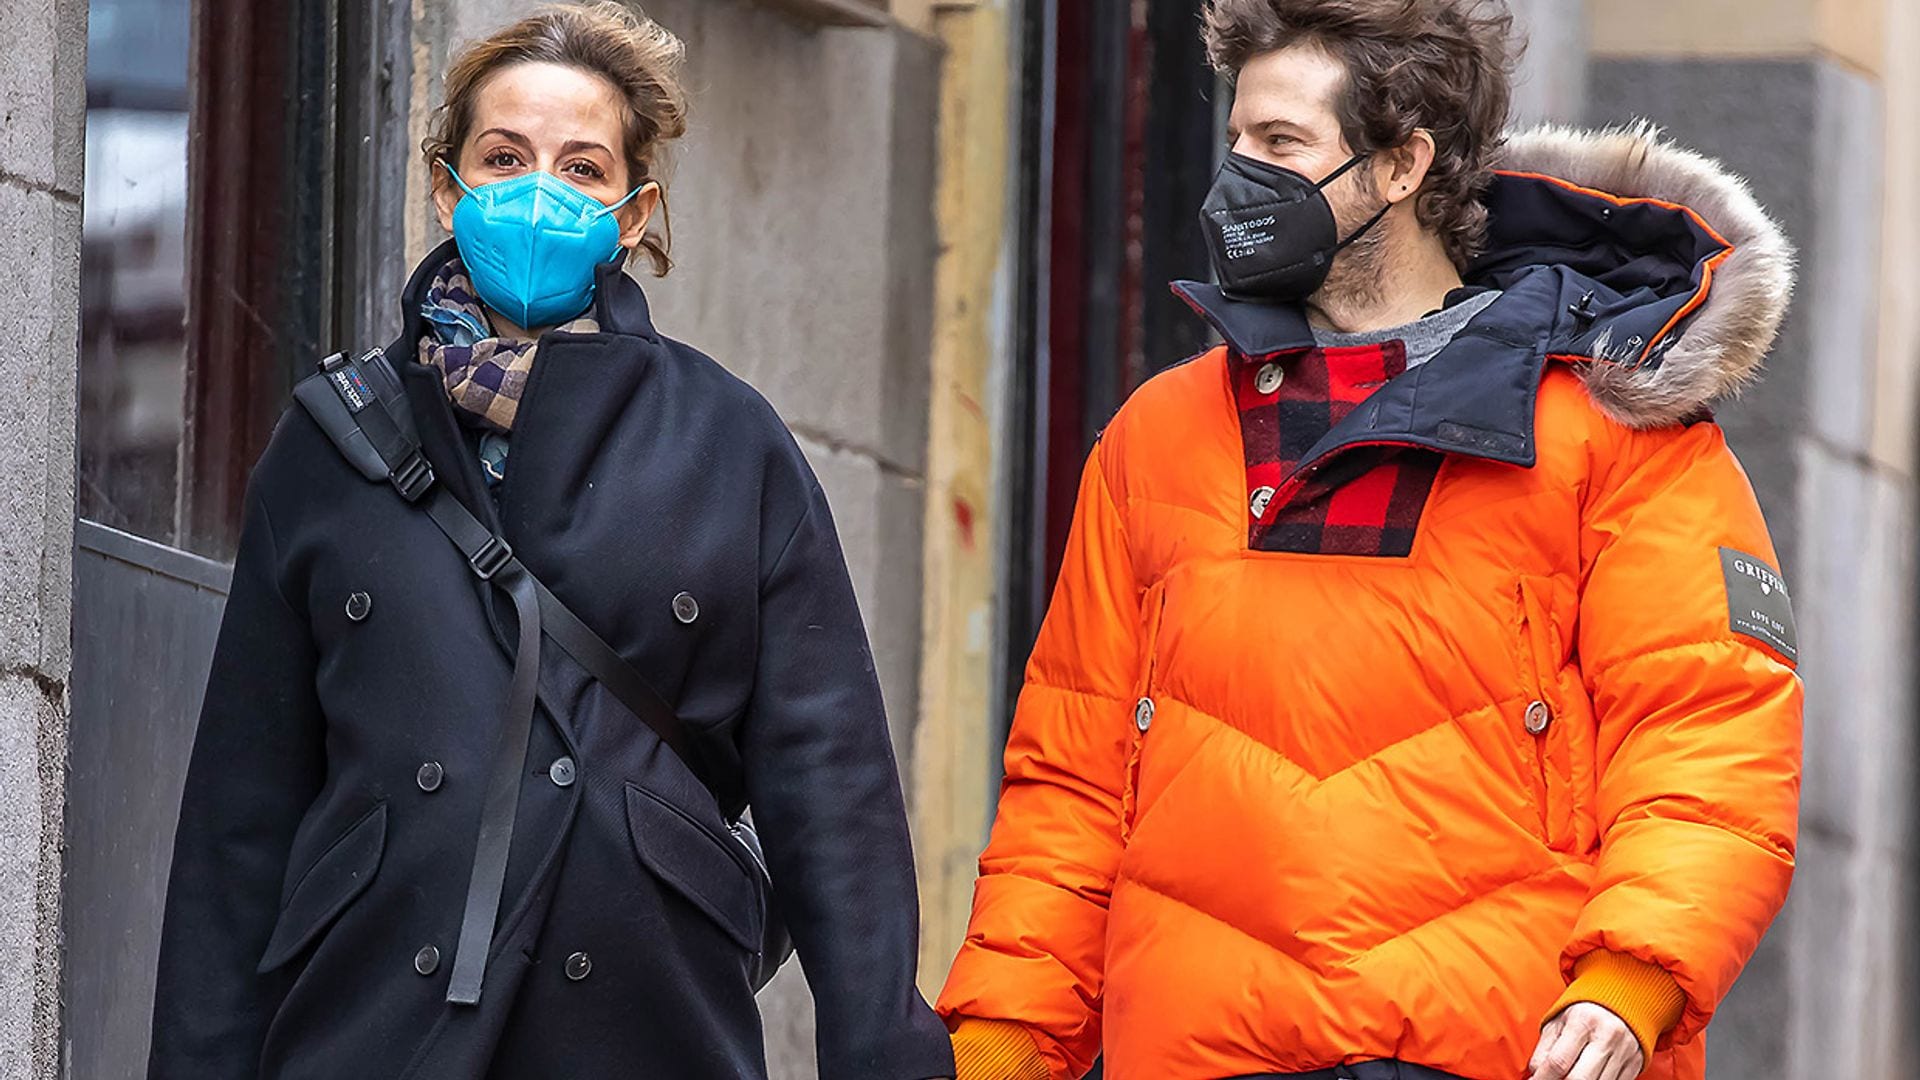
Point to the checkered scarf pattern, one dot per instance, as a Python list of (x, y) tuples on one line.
[(486, 376), (1365, 500)]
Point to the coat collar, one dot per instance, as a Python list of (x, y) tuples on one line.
[(1475, 397), (620, 306)]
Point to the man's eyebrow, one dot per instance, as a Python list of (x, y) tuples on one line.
[(1277, 124)]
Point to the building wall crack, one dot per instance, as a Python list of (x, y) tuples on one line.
[(27, 183)]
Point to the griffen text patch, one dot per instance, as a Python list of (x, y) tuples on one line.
[(1757, 603)]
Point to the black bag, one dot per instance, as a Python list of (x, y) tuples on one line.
[(361, 406)]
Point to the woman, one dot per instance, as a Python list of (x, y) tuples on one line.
[(349, 895)]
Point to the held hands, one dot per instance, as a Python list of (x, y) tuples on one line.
[(1586, 1042)]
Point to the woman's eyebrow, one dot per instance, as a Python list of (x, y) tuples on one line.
[(576, 145), (508, 134)]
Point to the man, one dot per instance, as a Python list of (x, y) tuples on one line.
[(1418, 698)]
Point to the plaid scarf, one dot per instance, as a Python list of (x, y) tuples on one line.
[(486, 375)]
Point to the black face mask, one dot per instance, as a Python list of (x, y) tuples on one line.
[(1271, 231)]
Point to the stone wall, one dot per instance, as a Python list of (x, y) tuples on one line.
[(42, 147)]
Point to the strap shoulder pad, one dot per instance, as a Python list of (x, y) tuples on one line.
[(317, 395), (362, 407)]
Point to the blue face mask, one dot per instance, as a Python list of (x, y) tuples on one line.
[(531, 245)]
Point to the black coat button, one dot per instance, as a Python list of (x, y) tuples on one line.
[(430, 776), (579, 966), (427, 960), (562, 772), (359, 606), (686, 608)]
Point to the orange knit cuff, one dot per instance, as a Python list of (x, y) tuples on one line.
[(1642, 994), (995, 1050)]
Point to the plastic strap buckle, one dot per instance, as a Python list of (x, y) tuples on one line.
[(492, 557), (413, 476)]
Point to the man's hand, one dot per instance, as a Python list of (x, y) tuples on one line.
[(1586, 1042)]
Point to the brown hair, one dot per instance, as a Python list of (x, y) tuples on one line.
[(641, 58), (1442, 65)]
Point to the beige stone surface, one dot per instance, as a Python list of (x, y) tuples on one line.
[(954, 760), (1896, 392), (1850, 30)]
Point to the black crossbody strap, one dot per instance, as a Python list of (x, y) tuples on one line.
[(489, 554), (627, 685), (488, 880)]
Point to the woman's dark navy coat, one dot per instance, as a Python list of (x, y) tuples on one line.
[(331, 810)]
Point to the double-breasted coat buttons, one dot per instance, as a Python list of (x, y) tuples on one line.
[(430, 776), (686, 608), (427, 960), (579, 966), (359, 606)]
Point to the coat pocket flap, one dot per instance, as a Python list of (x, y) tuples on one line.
[(694, 863), (335, 880)]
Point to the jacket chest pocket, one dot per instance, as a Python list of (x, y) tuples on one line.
[(1153, 606), (1539, 716)]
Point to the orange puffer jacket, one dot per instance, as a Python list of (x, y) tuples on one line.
[(1272, 806)]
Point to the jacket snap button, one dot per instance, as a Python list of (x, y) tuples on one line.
[(427, 960), (359, 606), (1262, 499), (579, 966), (1143, 714), (1538, 717), (561, 772), (686, 608), (1269, 378), (430, 776)]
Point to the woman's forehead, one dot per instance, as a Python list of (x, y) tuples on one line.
[(545, 102)]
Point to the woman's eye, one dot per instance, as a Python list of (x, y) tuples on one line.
[(585, 169), (502, 159)]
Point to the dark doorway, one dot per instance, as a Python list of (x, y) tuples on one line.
[(1119, 145)]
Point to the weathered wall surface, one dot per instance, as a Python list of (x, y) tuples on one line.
[(42, 129)]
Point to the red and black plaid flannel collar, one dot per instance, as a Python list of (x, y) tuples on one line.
[(1343, 445)]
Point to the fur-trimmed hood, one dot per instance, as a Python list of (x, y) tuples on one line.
[(1693, 277)]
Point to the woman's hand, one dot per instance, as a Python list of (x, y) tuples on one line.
[(1586, 1042)]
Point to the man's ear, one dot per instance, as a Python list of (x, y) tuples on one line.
[(635, 216), (1406, 166), (446, 195)]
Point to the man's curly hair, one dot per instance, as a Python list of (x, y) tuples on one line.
[(1442, 65)]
